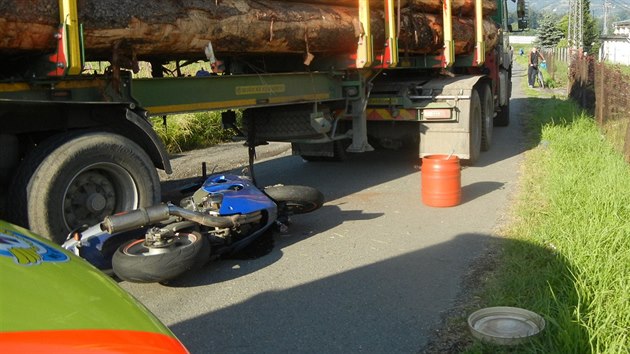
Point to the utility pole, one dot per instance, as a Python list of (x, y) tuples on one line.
[(570, 26), (576, 24), (581, 24), (606, 7)]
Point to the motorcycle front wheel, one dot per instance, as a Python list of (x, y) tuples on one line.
[(295, 199), (135, 262)]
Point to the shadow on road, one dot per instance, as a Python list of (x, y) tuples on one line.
[(378, 308), (475, 190)]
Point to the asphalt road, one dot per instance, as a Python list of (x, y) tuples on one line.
[(369, 272)]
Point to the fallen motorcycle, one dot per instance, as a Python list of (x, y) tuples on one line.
[(159, 243)]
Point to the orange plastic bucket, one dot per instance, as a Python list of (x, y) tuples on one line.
[(441, 181)]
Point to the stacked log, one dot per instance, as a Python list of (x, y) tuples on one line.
[(181, 29), (460, 7)]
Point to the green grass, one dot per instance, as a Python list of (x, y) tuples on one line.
[(191, 131), (560, 76), (566, 254)]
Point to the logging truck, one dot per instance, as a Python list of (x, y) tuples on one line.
[(329, 76)]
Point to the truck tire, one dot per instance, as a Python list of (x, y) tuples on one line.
[(135, 262), (503, 116), (79, 178), (295, 199), (487, 116), (475, 119)]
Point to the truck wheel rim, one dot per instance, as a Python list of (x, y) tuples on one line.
[(97, 191)]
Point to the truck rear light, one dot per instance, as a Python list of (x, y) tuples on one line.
[(436, 113)]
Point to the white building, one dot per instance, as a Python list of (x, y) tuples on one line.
[(622, 28), (522, 39), (616, 48)]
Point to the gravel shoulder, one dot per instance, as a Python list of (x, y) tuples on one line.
[(219, 158), (228, 157)]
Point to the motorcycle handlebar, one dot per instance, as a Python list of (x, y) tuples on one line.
[(146, 216)]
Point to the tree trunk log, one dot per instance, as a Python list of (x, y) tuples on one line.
[(423, 34), (166, 29), (459, 7)]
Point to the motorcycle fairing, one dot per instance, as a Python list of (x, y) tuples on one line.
[(240, 196)]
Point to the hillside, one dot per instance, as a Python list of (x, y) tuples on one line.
[(619, 7)]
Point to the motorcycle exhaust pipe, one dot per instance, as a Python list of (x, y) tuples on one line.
[(135, 219), (204, 219), (138, 218)]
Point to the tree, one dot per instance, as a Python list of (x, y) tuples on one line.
[(533, 18), (563, 25), (590, 29), (548, 32)]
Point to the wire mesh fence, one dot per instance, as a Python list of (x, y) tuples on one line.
[(555, 57), (604, 91)]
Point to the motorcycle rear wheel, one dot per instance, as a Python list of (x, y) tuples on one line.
[(295, 199), (135, 262)]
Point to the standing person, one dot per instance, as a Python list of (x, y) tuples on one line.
[(532, 70)]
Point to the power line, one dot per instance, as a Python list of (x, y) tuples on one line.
[(606, 6), (620, 4)]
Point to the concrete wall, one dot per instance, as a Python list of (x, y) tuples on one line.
[(616, 50)]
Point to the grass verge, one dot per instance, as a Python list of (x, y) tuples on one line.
[(566, 255), (183, 132)]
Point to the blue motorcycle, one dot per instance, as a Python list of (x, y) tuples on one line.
[(159, 243)]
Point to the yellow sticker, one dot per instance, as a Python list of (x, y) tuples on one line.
[(260, 89)]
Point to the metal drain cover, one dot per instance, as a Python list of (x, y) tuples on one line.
[(505, 325)]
